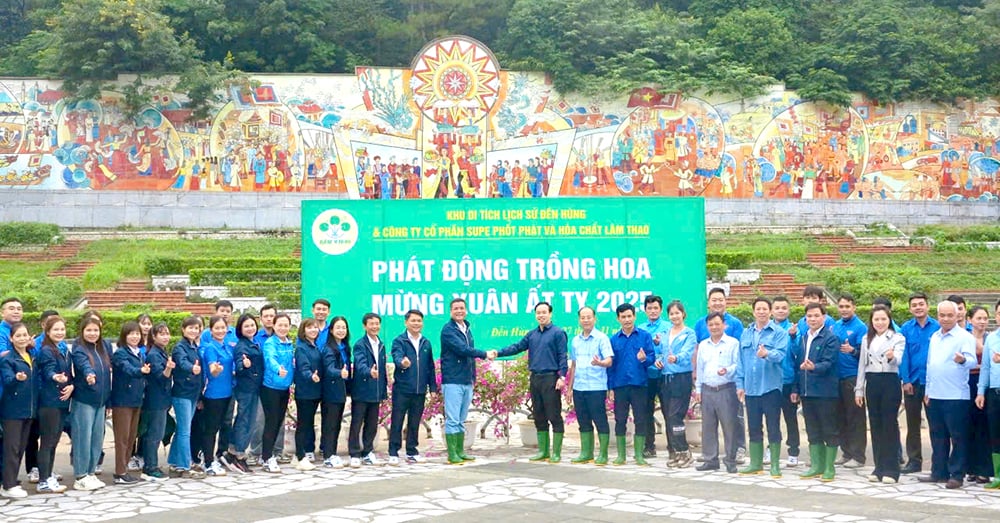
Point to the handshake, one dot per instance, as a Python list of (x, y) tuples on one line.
[(491, 355)]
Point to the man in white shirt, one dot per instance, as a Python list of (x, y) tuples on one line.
[(716, 390)]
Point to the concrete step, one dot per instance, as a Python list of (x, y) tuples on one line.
[(73, 270)]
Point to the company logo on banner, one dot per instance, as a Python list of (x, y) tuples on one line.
[(503, 257), (335, 231)]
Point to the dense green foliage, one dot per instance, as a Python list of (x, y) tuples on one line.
[(172, 265), (14, 234), (890, 50)]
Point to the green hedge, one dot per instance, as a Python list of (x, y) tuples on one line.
[(180, 265), (113, 322), (716, 271), (43, 293), (900, 312), (221, 276), (27, 233), (731, 259), (895, 282), (261, 288)]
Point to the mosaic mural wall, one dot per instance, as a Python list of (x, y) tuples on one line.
[(455, 125)]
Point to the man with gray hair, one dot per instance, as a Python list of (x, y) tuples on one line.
[(951, 355)]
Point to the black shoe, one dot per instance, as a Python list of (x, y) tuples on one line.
[(649, 453), (911, 468), (707, 466), (930, 479), (953, 484), (125, 479), (731, 469)]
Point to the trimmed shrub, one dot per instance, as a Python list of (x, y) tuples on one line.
[(262, 288), (716, 271), (43, 293), (113, 321), (28, 233), (221, 276), (731, 259)]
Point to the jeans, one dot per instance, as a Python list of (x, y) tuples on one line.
[(156, 425), (457, 399), (305, 432), (760, 408), (50, 425), (410, 407), (247, 404), (546, 402), (180, 448), (88, 437), (591, 411)]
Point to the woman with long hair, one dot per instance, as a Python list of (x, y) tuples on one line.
[(92, 388), (248, 360), (336, 381), (217, 359), (17, 406), (55, 390), (308, 390), (279, 368), (157, 400), (188, 383)]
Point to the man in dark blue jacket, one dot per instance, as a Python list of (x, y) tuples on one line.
[(634, 354), (458, 373), (817, 383), (414, 376)]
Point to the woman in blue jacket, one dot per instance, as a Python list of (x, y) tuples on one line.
[(279, 368), (17, 406), (91, 389), (248, 360), (188, 383), (308, 391), (55, 388), (128, 386), (157, 401), (217, 359), (336, 377)]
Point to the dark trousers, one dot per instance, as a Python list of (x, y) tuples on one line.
[(214, 411), (333, 418), (635, 397), (822, 427), (591, 410), (914, 404), (853, 427), (675, 399), (305, 426), (546, 402), (993, 417), (949, 426), (653, 391), (274, 403), (50, 425), (156, 425), (364, 426), (197, 429), (980, 463), (31, 447), (883, 393), (790, 411), (410, 407), (761, 408), (226, 430), (15, 437)]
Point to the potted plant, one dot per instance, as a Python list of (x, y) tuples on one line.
[(500, 393), (692, 422)]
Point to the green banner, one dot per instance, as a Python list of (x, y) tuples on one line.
[(503, 256)]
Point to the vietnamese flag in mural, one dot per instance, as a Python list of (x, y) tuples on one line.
[(645, 97)]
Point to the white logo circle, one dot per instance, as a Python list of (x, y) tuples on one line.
[(335, 231)]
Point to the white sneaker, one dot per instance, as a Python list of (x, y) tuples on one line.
[(135, 463), (95, 483), (85, 483), (413, 459), (216, 469), (355, 463), (310, 457), (767, 458), (54, 486), (14, 493), (334, 462), (305, 465), (394, 461), (272, 466), (33, 475), (852, 464), (793, 461)]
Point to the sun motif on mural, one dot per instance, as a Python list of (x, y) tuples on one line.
[(455, 81)]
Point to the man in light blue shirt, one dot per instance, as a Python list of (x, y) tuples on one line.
[(590, 355), (715, 388), (658, 329), (989, 386), (952, 354)]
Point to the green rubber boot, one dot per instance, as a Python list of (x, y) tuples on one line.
[(816, 454), (829, 472), (602, 456), (756, 465), (638, 445), (543, 447), (620, 443), (453, 457), (586, 448), (557, 439), (995, 484), (460, 447), (775, 449)]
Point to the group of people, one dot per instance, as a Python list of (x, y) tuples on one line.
[(228, 387)]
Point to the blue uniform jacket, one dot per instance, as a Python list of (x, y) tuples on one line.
[(821, 382), (758, 376), (221, 352), (19, 400), (157, 385), (308, 359), (335, 387), (458, 354), (128, 383), (49, 362), (364, 387), (186, 384), (248, 380), (278, 354), (420, 377), (87, 360), (852, 332), (682, 347)]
